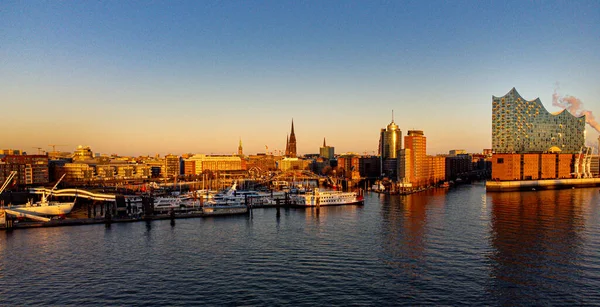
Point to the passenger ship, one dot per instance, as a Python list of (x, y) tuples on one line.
[(328, 198)]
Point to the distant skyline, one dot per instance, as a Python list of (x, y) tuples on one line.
[(140, 78)]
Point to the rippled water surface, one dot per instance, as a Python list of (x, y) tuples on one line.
[(458, 246)]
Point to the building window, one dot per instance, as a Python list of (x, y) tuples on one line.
[(500, 160)]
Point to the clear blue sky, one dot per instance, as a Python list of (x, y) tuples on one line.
[(151, 77)]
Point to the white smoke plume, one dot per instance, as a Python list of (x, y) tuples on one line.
[(575, 107)]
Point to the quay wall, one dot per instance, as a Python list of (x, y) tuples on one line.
[(546, 184)]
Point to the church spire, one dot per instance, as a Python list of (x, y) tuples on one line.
[(240, 149), (287, 144), (291, 147), (324, 144), (292, 126)]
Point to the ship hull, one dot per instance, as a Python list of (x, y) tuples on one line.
[(224, 210), (48, 210), (352, 203)]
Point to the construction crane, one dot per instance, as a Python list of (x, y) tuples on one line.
[(39, 150), (54, 146)]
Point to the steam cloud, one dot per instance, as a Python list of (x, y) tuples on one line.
[(575, 107)]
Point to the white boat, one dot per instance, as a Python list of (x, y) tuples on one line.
[(233, 196), (45, 207), (328, 198), (201, 194)]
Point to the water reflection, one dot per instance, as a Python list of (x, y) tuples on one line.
[(537, 239), (405, 222), (328, 213)]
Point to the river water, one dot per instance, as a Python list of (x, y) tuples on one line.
[(441, 247)]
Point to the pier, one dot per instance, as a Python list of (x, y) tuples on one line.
[(549, 184)]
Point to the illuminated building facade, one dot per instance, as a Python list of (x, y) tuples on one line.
[(83, 153), (288, 164), (417, 143), (7, 152), (172, 166), (530, 143), (390, 141), (522, 126), (350, 166), (31, 169), (212, 163), (261, 163)]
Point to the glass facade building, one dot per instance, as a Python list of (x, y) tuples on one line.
[(390, 141), (522, 126)]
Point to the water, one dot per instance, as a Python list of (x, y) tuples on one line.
[(454, 247)]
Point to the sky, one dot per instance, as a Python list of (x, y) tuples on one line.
[(158, 77)]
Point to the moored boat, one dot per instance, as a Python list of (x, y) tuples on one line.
[(45, 207), (328, 198)]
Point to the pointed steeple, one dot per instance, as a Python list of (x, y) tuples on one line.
[(291, 148), (240, 149), (324, 144), (392, 115), (287, 145)]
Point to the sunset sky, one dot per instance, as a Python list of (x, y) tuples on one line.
[(147, 77)]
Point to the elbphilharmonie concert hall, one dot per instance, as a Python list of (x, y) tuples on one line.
[(525, 126)]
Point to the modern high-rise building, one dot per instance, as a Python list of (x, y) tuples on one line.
[(416, 144), (327, 152), (525, 126), (415, 167), (290, 146), (390, 141)]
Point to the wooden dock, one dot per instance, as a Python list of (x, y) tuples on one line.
[(7, 223)]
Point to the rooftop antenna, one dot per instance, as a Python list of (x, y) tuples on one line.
[(392, 115)]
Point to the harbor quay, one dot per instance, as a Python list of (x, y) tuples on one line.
[(83, 207), (548, 184)]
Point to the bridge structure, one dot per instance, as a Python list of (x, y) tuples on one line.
[(78, 193)]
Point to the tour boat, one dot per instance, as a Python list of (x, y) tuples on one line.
[(328, 198)]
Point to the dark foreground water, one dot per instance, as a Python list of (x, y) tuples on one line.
[(454, 247)]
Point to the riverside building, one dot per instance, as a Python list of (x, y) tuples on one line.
[(530, 143), (31, 169), (197, 164), (525, 126)]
